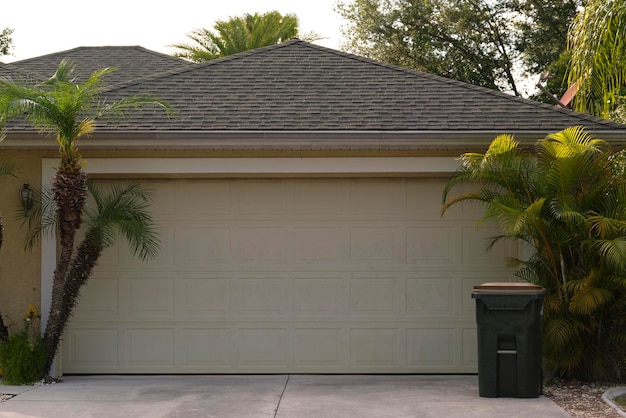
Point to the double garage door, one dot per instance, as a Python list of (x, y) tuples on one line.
[(328, 275)]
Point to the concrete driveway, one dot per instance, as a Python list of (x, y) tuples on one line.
[(268, 396)]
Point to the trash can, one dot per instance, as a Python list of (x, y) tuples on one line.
[(508, 318)]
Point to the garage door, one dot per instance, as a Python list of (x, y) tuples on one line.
[(290, 275)]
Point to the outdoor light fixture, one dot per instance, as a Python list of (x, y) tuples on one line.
[(26, 196)]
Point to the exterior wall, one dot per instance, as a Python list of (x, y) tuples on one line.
[(20, 271)]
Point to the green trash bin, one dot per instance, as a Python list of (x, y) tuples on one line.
[(508, 318)]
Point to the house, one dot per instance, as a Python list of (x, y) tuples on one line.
[(298, 196)]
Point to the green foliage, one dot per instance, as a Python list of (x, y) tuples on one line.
[(21, 359), (598, 47), (6, 42), (565, 200), (123, 211), (238, 34), (23, 354), (474, 41)]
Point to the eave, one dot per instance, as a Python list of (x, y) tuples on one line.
[(289, 140)]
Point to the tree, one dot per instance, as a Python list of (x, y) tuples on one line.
[(542, 40), (564, 201), (70, 110), (598, 57), (239, 34), (6, 42), (487, 43)]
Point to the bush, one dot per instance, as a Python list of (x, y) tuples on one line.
[(21, 359), (23, 354)]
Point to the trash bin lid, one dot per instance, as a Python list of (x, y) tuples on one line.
[(509, 288)]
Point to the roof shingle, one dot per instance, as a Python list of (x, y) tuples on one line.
[(300, 87)]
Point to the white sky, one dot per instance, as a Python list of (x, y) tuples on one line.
[(46, 26)]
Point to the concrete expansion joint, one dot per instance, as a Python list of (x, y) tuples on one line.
[(280, 398)]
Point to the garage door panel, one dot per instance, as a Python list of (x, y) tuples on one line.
[(149, 348), (150, 297), (431, 245), (320, 297), (198, 245), (268, 245), (204, 297), (204, 348), (205, 197), (469, 355), (164, 197), (99, 299), (377, 244), (331, 275), (262, 349), (92, 347), (320, 348), (375, 349), (431, 348), (377, 197), (423, 200), (375, 297), (320, 197), (431, 297), (263, 297), (320, 245), (263, 197), (110, 257)]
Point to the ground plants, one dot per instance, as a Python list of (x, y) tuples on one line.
[(566, 200), (23, 353)]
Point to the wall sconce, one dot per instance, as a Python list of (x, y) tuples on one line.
[(26, 197)]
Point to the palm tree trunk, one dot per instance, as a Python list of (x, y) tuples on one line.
[(70, 193), (86, 258)]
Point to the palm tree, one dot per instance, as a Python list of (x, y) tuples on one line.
[(565, 201), (239, 34), (70, 110), (598, 56)]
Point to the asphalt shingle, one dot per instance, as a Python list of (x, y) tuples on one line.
[(298, 86)]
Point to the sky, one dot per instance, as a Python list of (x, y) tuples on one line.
[(46, 26)]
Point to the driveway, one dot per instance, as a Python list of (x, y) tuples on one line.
[(268, 396)]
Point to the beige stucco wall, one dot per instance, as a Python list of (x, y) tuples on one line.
[(19, 268)]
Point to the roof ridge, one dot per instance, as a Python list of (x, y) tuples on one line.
[(194, 66)]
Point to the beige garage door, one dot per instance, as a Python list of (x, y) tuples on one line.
[(290, 275)]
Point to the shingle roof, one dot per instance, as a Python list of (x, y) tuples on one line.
[(9, 71), (300, 89), (132, 62)]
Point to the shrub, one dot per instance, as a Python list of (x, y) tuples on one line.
[(21, 359), (23, 354)]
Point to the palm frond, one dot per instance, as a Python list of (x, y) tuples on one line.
[(8, 168), (122, 211), (590, 299), (41, 219), (612, 251)]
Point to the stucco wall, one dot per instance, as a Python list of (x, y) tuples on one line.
[(19, 268)]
